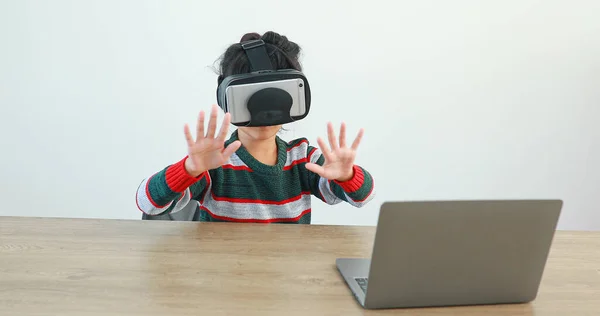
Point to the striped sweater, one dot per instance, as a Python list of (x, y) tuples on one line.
[(246, 190)]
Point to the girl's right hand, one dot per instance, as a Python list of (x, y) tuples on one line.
[(207, 152)]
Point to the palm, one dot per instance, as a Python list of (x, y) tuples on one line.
[(339, 159), (338, 164), (207, 152)]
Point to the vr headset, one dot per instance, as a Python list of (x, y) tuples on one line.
[(265, 96)]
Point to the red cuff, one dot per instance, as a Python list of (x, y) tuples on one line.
[(355, 182), (178, 179)]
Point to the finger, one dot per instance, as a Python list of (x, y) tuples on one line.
[(233, 147), (343, 135), (188, 135), (358, 139), (212, 123), (224, 127), (331, 134), (316, 169), (324, 149), (200, 126)]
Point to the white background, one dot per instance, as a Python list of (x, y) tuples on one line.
[(467, 99)]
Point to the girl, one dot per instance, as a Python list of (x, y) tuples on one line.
[(255, 176)]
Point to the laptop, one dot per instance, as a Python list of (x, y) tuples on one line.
[(451, 253)]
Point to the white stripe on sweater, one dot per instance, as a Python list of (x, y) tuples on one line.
[(316, 155), (183, 202), (146, 206), (296, 153), (143, 200), (235, 161), (361, 203), (326, 192), (257, 210)]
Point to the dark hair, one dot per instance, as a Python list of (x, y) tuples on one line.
[(284, 54)]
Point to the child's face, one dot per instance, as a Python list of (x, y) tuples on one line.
[(261, 132)]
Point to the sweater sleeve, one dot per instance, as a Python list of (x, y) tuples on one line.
[(357, 191), (170, 190)]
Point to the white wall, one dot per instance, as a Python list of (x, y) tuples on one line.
[(469, 99)]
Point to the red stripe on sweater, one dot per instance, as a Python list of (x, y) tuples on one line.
[(368, 194), (245, 168), (304, 141), (257, 201), (178, 179), (354, 184), (295, 162), (254, 220), (311, 153)]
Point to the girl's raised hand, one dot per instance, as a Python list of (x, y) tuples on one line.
[(339, 159), (208, 152)]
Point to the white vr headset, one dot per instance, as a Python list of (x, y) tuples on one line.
[(265, 96)]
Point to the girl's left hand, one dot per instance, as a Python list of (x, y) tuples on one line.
[(339, 160)]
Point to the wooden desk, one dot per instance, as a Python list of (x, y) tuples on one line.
[(114, 267)]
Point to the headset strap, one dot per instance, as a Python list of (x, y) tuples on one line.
[(257, 55)]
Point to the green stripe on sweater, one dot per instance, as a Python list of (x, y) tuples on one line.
[(255, 185), (159, 191)]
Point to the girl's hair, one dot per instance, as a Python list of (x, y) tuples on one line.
[(284, 54)]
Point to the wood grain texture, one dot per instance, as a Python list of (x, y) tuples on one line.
[(121, 267)]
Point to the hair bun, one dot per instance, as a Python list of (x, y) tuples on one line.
[(250, 37), (282, 42)]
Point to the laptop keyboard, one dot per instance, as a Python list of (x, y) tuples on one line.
[(362, 282)]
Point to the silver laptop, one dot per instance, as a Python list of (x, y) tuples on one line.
[(449, 253)]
